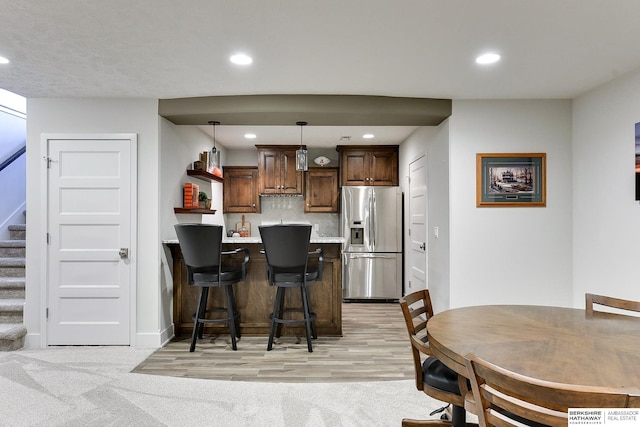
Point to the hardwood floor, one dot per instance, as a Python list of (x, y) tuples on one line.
[(374, 347)]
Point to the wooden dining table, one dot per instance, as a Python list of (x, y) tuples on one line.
[(556, 344)]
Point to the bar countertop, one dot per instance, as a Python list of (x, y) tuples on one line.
[(256, 239)]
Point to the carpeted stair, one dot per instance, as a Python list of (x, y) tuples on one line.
[(12, 283)]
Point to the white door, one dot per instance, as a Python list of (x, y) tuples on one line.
[(91, 239), (417, 225)]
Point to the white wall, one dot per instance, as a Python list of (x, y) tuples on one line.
[(511, 255), (432, 142), (606, 228), (139, 116)]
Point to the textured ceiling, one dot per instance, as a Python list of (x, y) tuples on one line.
[(404, 48)]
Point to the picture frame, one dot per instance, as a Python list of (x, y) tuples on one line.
[(511, 180)]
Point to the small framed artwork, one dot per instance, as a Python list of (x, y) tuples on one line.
[(511, 180)]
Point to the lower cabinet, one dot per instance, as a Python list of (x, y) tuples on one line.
[(254, 297)]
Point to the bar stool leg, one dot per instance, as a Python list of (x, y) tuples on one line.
[(236, 313), (307, 316), (312, 314), (231, 314), (196, 321), (281, 312), (276, 310)]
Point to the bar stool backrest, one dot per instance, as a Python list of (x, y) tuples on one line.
[(286, 246), (201, 244)]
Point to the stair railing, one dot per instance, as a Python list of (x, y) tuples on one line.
[(13, 157)]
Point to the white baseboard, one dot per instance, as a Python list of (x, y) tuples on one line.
[(154, 339), (32, 341)]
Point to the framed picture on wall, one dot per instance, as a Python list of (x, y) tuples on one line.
[(511, 180)]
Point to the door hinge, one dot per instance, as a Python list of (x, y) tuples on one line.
[(47, 313), (409, 230), (48, 239), (48, 160)]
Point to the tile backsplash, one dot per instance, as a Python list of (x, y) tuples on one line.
[(287, 208)]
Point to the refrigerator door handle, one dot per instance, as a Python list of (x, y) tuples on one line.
[(372, 228)]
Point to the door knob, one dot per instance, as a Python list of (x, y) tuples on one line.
[(124, 253), (423, 246)]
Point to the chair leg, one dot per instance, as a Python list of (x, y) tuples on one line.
[(307, 316), (231, 312), (203, 310), (276, 310), (236, 313), (313, 321), (281, 312), (196, 322)]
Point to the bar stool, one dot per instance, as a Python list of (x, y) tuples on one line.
[(201, 246), (286, 247)]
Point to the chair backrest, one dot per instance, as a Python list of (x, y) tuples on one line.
[(286, 246), (417, 310), (504, 398), (622, 304), (200, 244)]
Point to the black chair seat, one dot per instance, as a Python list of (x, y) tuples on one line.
[(437, 375), (295, 279), (211, 279)]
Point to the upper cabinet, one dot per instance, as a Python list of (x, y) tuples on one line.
[(241, 189), (321, 190), (277, 170), (368, 165)]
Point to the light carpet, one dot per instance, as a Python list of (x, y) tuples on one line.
[(93, 386)]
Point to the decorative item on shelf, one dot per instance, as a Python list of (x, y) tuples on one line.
[(301, 153), (321, 161), (205, 202), (214, 166), (198, 165), (190, 195)]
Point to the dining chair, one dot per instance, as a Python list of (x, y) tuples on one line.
[(622, 304), (201, 247), (505, 398), (433, 377), (286, 248)]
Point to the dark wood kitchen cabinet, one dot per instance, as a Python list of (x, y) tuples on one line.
[(321, 190), (368, 165), (241, 189), (277, 170)]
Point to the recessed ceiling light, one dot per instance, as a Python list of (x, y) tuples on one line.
[(241, 59), (250, 135), (3, 60), (488, 58), (368, 135)]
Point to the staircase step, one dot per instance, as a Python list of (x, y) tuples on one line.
[(12, 287), (12, 267), (11, 310), (13, 248), (18, 232), (12, 336)]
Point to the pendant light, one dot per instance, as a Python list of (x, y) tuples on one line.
[(214, 157), (301, 153)]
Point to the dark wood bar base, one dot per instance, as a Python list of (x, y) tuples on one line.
[(254, 297)]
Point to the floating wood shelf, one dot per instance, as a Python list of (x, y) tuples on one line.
[(203, 175), (194, 211)]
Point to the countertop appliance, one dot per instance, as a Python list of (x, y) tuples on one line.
[(371, 223)]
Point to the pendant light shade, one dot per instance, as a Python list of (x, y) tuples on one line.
[(301, 154), (214, 156)]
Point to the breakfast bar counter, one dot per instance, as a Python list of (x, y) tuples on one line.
[(254, 297)]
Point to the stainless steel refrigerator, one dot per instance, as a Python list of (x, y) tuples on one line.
[(371, 223)]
